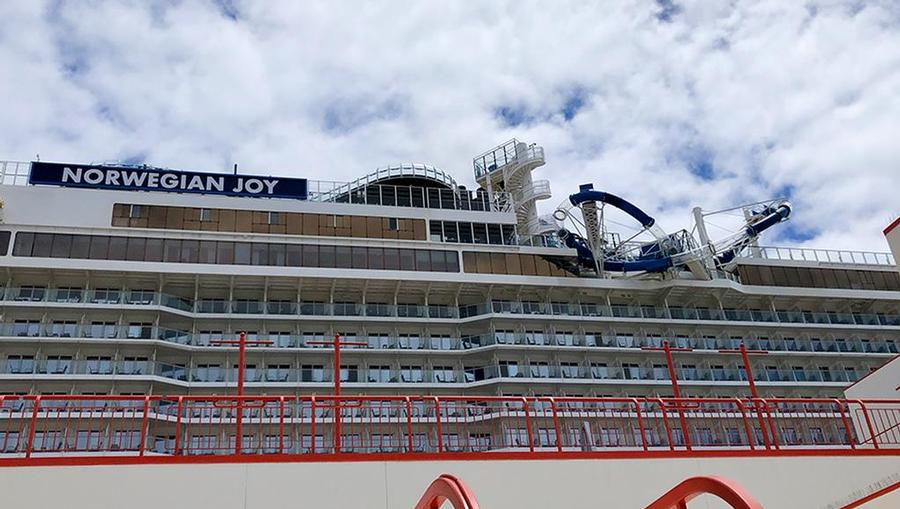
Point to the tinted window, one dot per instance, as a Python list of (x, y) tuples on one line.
[(23, 245), (4, 242), (360, 258), (42, 244), (407, 259), (99, 248), (391, 258), (153, 250), (437, 261), (62, 245), (190, 251), (376, 258), (260, 254), (294, 255), (225, 252), (310, 256), (136, 249), (452, 261), (81, 246), (423, 260), (326, 256), (342, 257), (172, 250), (117, 248), (241, 253), (277, 255), (207, 252)]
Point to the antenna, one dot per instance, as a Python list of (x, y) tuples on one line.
[(235, 168)]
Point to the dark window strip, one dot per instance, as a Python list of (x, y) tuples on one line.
[(144, 249)]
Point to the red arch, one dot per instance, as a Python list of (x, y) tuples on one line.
[(447, 488), (729, 491)]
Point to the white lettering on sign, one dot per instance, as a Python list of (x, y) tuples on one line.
[(176, 181)]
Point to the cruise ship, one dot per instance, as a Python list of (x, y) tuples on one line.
[(156, 315)]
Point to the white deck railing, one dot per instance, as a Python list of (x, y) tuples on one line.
[(804, 254)]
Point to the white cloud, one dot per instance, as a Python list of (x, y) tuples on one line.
[(757, 97)]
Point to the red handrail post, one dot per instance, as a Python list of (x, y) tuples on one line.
[(144, 420), (242, 352), (281, 425), (869, 425), (409, 436), (556, 424), (437, 417), (337, 394), (640, 423), (747, 429), (312, 425), (745, 357), (528, 426), (31, 427), (850, 441), (336, 422), (178, 425), (676, 392), (749, 371), (765, 405), (665, 419)]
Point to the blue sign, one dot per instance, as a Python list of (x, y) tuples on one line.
[(172, 181)]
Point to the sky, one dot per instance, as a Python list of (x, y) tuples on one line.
[(671, 104)]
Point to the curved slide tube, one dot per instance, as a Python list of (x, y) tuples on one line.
[(774, 216), (729, 491), (588, 194), (586, 256), (447, 488), (653, 263)]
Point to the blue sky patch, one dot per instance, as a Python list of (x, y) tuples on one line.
[(342, 116), (668, 9)]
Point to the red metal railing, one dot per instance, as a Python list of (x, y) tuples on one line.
[(33, 427)]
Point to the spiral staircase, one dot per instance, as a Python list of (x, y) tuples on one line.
[(508, 168)]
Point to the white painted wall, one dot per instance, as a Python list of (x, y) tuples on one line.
[(892, 234), (795, 482), (882, 383)]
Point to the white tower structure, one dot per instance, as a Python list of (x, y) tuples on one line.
[(508, 168)]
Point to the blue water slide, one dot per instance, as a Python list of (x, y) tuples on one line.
[(586, 193), (650, 261), (586, 257), (774, 215)]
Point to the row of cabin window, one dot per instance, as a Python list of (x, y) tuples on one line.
[(472, 233), (819, 277), (98, 247), (256, 221)]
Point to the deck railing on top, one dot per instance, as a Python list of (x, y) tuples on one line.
[(803, 254)]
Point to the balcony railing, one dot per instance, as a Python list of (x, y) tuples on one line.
[(115, 297), (512, 151), (106, 330), (377, 373), (105, 428), (803, 254)]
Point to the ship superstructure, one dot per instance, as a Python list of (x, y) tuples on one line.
[(110, 291), (116, 288)]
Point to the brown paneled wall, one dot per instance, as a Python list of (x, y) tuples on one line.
[(814, 277), (483, 262), (257, 221)]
